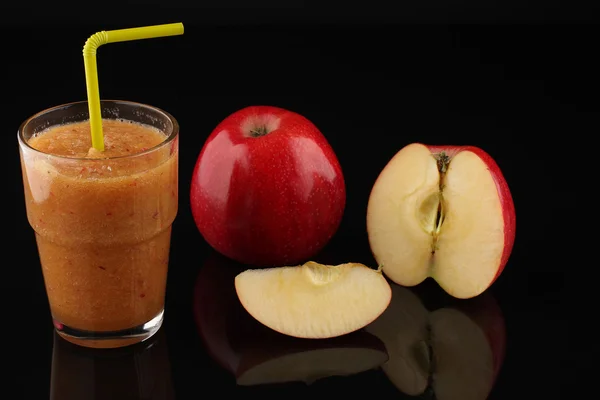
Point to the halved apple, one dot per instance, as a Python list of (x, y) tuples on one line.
[(444, 212), (257, 355), (313, 300), (456, 351)]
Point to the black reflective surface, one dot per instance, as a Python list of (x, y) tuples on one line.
[(525, 94), (140, 371)]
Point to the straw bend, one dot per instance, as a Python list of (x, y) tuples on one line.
[(93, 42)]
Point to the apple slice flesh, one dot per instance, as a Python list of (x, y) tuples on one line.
[(449, 226), (314, 300)]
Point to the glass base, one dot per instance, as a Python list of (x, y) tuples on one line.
[(110, 339)]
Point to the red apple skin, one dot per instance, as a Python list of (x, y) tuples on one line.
[(504, 194), (271, 200)]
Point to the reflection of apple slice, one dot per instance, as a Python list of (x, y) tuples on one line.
[(256, 354), (313, 300), (456, 350), (289, 359)]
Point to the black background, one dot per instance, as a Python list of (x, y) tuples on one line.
[(518, 79)]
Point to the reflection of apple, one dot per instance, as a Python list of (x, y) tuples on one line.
[(267, 188), (456, 350), (255, 354), (214, 298), (313, 300), (444, 212), (140, 371)]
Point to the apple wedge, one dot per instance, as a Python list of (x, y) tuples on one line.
[(313, 300), (455, 351), (257, 355), (444, 212)]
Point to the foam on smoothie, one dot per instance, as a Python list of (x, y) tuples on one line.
[(121, 138)]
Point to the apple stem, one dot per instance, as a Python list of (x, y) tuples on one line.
[(443, 160), (259, 131)]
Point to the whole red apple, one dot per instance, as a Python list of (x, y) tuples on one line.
[(267, 188)]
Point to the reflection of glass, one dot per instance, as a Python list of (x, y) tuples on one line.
[(103, 225), (137, 372), (441, 345), (257, 355)]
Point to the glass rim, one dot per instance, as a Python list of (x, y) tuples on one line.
[(169, 138)]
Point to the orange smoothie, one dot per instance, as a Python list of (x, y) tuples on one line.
[(102, 221)]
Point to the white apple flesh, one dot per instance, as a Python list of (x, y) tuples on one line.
[(444, 213), (314, 301)]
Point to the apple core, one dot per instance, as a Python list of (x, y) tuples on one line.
[(320, 274), (434, 207), (430, 213)]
